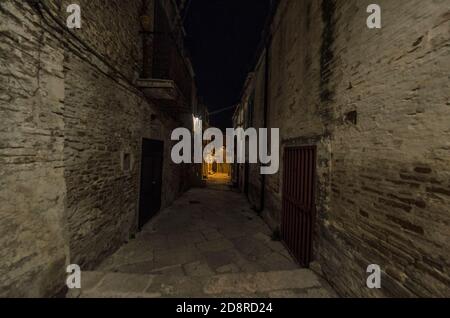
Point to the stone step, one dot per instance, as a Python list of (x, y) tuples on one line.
[(300, 283)]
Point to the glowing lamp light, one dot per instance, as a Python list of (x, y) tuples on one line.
[(197, 124)]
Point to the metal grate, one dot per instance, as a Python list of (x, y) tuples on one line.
[(298, 202)]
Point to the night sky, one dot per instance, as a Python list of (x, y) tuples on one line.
[(222, 37)]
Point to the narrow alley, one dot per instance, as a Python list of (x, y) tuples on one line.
[(209, 243), (212, 148)]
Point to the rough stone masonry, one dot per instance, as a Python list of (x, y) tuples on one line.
[(69, 111), (375, 103)]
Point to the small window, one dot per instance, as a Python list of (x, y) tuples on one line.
[(126, 162)]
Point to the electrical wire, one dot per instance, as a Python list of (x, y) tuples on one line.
[(221, 110), (37, 5)]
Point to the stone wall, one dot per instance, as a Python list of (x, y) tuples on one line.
[(375, 102), (104, 121), (105, 118), (33, 245), (392, 167), (70, 111)]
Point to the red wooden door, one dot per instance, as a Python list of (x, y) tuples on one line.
[(298, 209)]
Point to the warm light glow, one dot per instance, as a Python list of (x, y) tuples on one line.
[(209, 159), (197, 123)]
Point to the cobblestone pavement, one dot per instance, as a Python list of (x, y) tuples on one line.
[(208, 242)]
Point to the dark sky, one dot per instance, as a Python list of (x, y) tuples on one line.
[(222, 37)]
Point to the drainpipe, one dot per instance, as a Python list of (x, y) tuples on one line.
[(265, 117), (267, 45)]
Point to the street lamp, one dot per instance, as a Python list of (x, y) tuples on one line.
[(197, 124)]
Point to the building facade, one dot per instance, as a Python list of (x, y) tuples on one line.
[(364, 135), (86, 114)]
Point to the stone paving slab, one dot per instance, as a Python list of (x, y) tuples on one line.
[(209, 243), (215, 228), (291, 284), (198, 269)]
